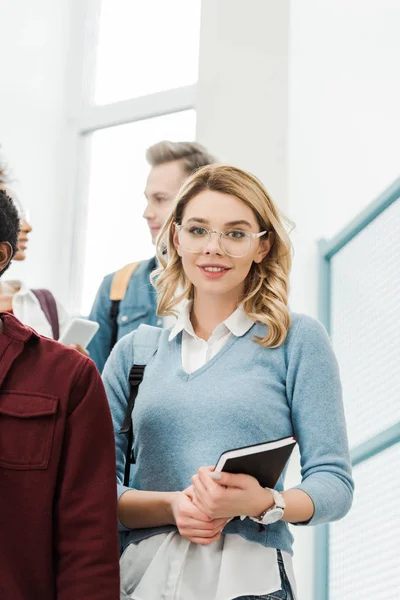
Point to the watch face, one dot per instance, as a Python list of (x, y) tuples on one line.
[(272, 516)]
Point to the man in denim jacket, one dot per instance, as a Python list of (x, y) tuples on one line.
[(171, 163)]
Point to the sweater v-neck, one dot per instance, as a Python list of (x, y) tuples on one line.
[(177, 342)]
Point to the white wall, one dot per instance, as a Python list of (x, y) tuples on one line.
[(33, 49), (242, 104), (344, 120)]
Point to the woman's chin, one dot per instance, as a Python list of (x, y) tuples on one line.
[(20, 255)]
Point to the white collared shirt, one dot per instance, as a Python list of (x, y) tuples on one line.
[(27, 309), (197, 352), (168, 565)]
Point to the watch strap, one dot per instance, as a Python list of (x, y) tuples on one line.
[(279, 503)]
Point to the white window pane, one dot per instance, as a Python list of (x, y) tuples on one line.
[(116, 231), (364, 554), (146, 47), (366, 325)]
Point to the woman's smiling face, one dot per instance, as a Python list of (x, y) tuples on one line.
[(211, 270)]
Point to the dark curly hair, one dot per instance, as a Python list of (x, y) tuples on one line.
[(9, 222), (3, 171)]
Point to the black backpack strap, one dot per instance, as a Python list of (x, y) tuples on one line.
[(135, 379), (118, 288), (114, 310), (145, 345)]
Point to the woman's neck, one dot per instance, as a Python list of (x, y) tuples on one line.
[(209, 312), (7, 291)]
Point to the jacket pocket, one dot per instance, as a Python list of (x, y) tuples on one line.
[(27, 424), (129, 318)]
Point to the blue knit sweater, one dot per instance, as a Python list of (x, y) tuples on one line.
[(245, 395)]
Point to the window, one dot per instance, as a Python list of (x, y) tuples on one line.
[(146, 47), (137, 86), (116, 232), (363, 547), (361, 270)]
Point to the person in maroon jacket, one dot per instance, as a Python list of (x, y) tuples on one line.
[(58, 501)]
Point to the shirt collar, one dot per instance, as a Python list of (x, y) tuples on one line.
[(238, 322), (15, 329), (23, 290), (183, 322)]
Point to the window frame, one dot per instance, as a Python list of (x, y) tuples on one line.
[(85, 117), (391, 435)]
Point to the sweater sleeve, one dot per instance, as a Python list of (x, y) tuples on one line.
[(116, 382), (86, 540), (314, 392), (99, 347)]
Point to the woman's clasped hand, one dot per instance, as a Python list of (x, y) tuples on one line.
[(203, 509)]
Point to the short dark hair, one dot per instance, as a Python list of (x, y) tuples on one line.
[(9, 222)]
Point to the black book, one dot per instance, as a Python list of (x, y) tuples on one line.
[(264, 461)]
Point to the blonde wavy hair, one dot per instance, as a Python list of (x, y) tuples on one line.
[(267, 284)]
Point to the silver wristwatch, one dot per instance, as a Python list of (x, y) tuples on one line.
[(273, 514)]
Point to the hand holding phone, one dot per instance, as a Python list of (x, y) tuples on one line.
[(79, 331)]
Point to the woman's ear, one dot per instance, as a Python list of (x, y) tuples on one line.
[(176, 241), (264, 247), (6, 254)]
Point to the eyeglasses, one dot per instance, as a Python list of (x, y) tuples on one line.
[(234, 242)]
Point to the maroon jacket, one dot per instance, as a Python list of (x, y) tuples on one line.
[(58, 502)]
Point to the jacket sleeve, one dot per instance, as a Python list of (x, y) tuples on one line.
[(315, 394), (99, 347), (116, 383), (86, 538)]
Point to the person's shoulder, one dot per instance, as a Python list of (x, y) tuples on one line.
[(135, 347), (305, 323), (145, 266), (306, 330), (125, 273), (54, 351), (121, 358), (135, 265), (300, 325), (107, 279), (128, 272), (125, 343), (145, 336), (61, 366)]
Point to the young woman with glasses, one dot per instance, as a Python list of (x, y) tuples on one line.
[(236, 369)]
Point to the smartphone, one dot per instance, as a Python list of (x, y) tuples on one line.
[(79, 331)]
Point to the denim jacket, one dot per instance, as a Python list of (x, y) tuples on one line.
[(138, 306)]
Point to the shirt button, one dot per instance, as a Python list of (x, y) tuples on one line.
[(159, 321), (124, 318)]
